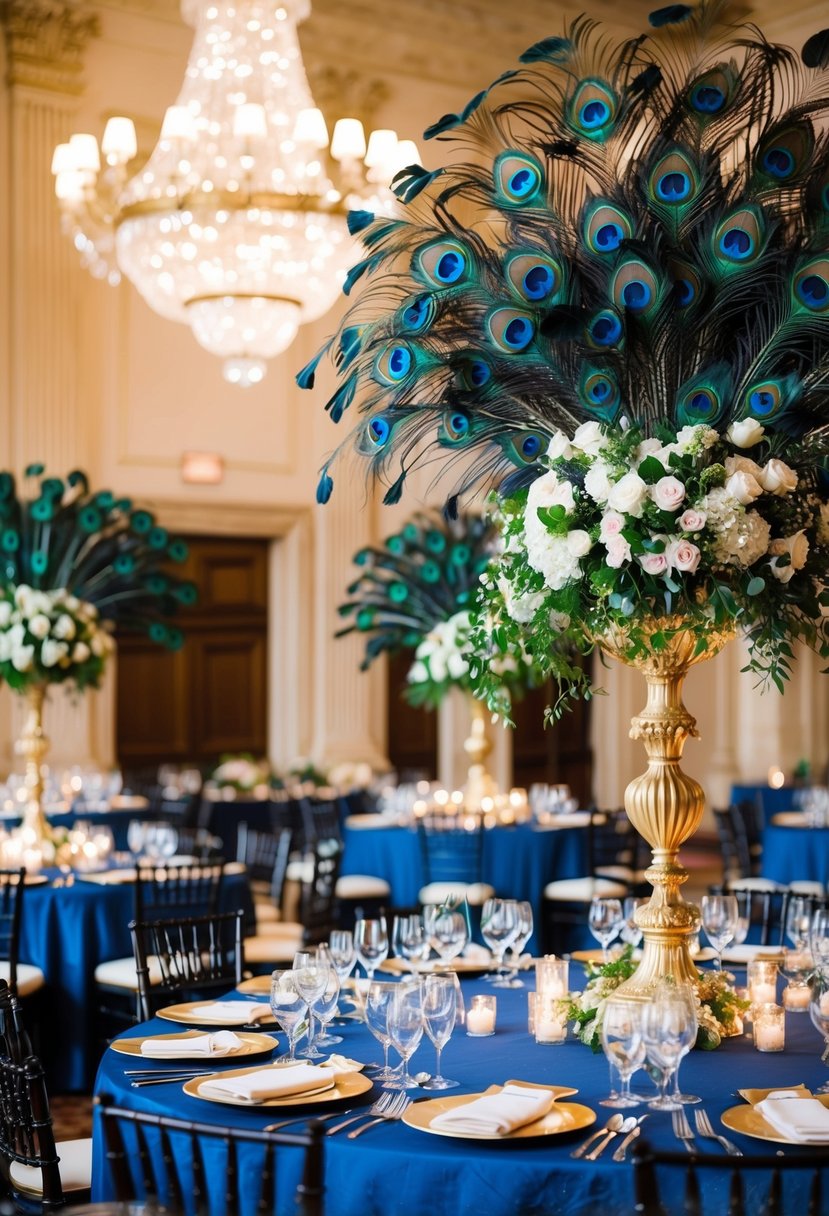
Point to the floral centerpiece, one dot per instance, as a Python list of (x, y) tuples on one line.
[(242, 774), (73, 566), (633, 236)]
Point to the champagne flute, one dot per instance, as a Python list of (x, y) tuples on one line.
[(311, 973), (719, 918), (605, 921), (371, 941), (405, 1027), (665, 1029), (624, 1047), (499, 928), (378, 1000), (289, 1008), (440, 1009)]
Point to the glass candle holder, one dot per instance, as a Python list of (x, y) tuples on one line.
[(797, 967), (551, 990), (480, 1018), (762, 981), (769, 1027), (531, 1013)]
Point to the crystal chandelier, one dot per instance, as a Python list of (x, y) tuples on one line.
[(236, 223)]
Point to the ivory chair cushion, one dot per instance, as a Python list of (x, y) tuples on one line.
[(362, 886), (271, 949), (75, 1169), (584, 890), (121, 973), (475, 893), (29, 978)]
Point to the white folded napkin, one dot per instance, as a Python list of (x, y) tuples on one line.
[(498, 1114), (340, 1065), (233, 1013), (268, 1083), (473, 953), (221, 1043), (803, 1120)]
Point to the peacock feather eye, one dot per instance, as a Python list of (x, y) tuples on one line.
[(531, 447), (767, 399), (365, 619), (523, 447), (510, 330), (634, 287), (784, 154), (6, 486), (53, 487), (675, 180), (430, 572), (442, 263), (393, 364), (141, 522), (175, 638), (419, 314), (455, 426), (811, 285), (10, 541), (714, 91), (186, 593), (473, 373), (605, 227), (592, 109), (124, 563), (378, 430), (519, 178), (534, 276), (398, 592), (460, 555), (738, 239), (702, 399), (396, 545), (44, 509), (411, 533), (605, 329), (599, 392), (39, 562), (177, 551), (158, 538), (91, 520)]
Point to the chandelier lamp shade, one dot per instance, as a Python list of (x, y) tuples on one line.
[(236, 224)]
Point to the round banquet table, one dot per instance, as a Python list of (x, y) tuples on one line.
[(518, 861), (792, 854), (67, 931), (395, 1170), (222, 817)]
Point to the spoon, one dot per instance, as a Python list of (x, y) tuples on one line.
[(422, 1077), (610, 1129), (625, 1126)]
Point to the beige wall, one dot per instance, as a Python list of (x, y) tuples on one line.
[(91, 375)]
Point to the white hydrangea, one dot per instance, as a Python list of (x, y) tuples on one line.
[(741, 537)]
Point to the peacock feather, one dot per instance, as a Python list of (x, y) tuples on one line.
[(101, 549), (636, 228)]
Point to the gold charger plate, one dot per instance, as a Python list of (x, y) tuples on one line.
[(257, 985), (189, 1013), (420, 1115), (463, 966), (252, 1045), (749, 1121), (347, 1086)]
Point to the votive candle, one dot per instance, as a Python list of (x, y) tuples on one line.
[(769, 1028), (480, 1020)]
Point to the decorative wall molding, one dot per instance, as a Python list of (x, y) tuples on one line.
[(208, 518), (45, 42)]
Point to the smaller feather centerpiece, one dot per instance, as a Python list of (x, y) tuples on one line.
[(73, 566)]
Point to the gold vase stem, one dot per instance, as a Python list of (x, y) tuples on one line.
[(33, 747), (479, 782)]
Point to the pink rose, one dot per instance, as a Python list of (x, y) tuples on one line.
[(692, 521), (618, 551), (612, 524), (653, 563), (668, 493), (683, 555)]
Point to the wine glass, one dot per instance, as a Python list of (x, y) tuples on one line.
[(605, 921), (797, 921), (525, 932), (405, 1027), (325, 1006), (448, 932), (378, 1000), (499, 929), (743, 921), (719, 918), (371, 941), (440, 1009), (311, 973), (667, 1029), (631, 933), (409, 940), (683, 992), (621, 1034), (289, 1008), (819, 938), (819, 1013), (136, 835), (341, 950)]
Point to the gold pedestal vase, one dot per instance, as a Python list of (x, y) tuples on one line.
[(33, 746), (664, 804), (480, 783)]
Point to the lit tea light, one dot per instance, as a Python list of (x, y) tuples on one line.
[(776, 778), (480, 1020), (797, 997), (769, 1028), (441, 797)]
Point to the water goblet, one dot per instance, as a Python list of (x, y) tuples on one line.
[(447, 931), (819, 1013), (378, 1001), (624, 1047), (667, 1027), (631, 933), (525, 932), (743, 921), (719, 918), (440, 1008), (311, 973), (409, 940), (499, 929), (405, 1027), (341, 950), (605, 921), (819, 938), (798, 921), (371, 941), (684, 992), (289, 1008), (324, 1008)]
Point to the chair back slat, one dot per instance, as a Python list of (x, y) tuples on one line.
[(321, 819), (12, 890), (145, 1160), (451, 852), (196, 956), (26, 1135), (693, 1201), (164, 890), (267, 1193), (318, 894), (815, 1195), (266, 856), (735, 1194), (175, 1190)]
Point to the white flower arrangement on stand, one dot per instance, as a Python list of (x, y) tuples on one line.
[(51, 636)]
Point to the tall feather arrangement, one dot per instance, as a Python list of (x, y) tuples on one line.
[(631, 236), (89, 557)]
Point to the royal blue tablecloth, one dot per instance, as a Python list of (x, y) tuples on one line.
[(518, 861), (67, 932), (394, 1170), (769, 799), (791, 854), (222, 818), (117, 820)]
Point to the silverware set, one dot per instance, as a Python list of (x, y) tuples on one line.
[(389, 1107), (616, 1125), (163, 1076)]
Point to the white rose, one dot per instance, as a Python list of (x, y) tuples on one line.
[(668, 493), (39, 626), (99, 646), (458, 666), (664, 454), (745, 433), (777, 478), (797, 547), (80, 653), (578, 542), (22, 657), (549, 491), (628, 495), (559, 447), (589, 438), (64, 628), (743, 487), (520, 608), (51, 652), (692, 520), (23, 599), (683, 555), (612, 524), (597, 481), (437, 667), (39, 601), (72, 603), (648, 447), (418, 673), (618, 551), (742, 464), (5, 613)]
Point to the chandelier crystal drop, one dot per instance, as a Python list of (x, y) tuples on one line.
[(236, 223)]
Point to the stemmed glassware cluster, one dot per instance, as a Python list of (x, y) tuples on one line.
[(506, 924), (660, 1031), (606, 921)]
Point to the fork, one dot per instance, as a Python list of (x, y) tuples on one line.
[(381, 1107), (706, 1130), (682, 1129), (395, 1112)]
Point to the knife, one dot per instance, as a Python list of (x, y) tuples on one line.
[(619, 1155)]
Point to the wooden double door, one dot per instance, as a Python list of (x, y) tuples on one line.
[(210, 697)]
